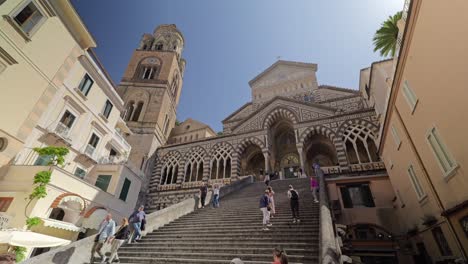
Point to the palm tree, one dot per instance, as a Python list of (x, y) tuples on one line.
[(385, 38)]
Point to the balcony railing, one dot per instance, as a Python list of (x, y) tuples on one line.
[(122, 140), (62, 130), (112, 160), (89, 150)]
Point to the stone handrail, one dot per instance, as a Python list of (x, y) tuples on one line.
[(330, 252), (79, 252)]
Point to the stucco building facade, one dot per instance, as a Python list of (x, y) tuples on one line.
[(56, 93), (422, 140)]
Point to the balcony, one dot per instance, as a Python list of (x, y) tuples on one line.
[(87, 157), (119, 142), (58, 136), (113, 160)]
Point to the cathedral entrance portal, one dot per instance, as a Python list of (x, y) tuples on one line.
[(252, 162), (290, 165)]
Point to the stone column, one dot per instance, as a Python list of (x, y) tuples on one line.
[(266, 155), (235, 166), (181, 172), (301, 158), (206, 169), (341, 154)]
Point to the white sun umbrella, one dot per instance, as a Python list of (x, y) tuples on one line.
[(22, 238)]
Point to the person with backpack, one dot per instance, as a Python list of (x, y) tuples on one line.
[(265, 207), (293, 196), (279, 257)]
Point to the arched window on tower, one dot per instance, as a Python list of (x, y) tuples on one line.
[(159, 46), (175, 85), (137, 113), (148, 68), (129, 110), (148, 72)]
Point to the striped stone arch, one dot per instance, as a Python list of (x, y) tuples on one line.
[(59, 199), (342, 159), (371, 126), (241, 146), (316, 130), (91, 211), (279, 112)]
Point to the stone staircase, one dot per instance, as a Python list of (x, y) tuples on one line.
[(235, 231)]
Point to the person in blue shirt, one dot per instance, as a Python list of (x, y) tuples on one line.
[(264, 207), (135, 219), (106, 231)]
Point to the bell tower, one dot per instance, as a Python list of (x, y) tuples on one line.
[(151, 88)]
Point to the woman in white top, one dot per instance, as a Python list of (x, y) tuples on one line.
[(271, 194), (216, 196)]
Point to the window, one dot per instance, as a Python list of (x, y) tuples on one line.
[(79, 172), (159, 46), (67, 119), (367, 91), (396, 138), (43, 160), (5, 203), (166, 125), (137, 113), (401, 199), (357, 195), (103, 181), (86, 84), (415, 182), (94, 140), (125, 189), (107, 109), (3, 143), (28, 17), (441, 241), (440, 151), (148, 73), (410, 97)]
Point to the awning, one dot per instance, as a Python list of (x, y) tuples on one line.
[(22, 238), (61, 225), (95, 219)]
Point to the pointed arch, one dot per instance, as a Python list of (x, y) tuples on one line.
[(277, 113), (170, 167), (194, 162), (241, 146), (221, 156)]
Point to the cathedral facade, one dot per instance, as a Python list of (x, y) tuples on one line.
[(290, 123)]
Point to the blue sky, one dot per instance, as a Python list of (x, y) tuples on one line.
[(227, 43)]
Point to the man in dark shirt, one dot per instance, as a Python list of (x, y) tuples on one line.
[(203, 192)]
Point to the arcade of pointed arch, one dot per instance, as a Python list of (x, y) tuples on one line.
[(170, 168), (221, 158), (194, 164)]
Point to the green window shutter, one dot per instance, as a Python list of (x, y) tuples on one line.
[(347, 203), (103, 181), (367, 196), (125, 189)]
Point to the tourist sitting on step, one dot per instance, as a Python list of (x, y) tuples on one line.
[(271, 194), (293, 196), (279, 257), (265, 207)]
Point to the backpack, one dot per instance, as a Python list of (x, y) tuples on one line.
[(294, 195)]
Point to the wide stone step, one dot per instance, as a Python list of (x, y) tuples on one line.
[(226, 256), (219, 249), (145, 260), (232, 243)]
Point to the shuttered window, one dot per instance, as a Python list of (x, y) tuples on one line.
[(416, 184), (103, 181), (440, 151), (125, 189), (409, 95)]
